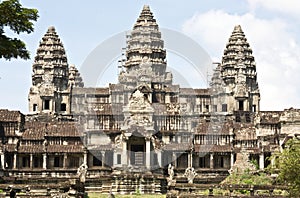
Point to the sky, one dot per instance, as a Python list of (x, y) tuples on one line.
[(271, 27)]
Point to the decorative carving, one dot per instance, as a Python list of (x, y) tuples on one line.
[(173, 108), (81, 172), (170, 179), (190, 174)]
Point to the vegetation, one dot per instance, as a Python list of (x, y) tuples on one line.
[(248, 178), (99, 195), (287, 165), (18, 19)]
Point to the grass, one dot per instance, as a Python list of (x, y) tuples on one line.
[(99, 195)]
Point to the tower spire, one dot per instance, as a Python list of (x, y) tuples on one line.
[(237, 73), (50, 63), (145, 43)]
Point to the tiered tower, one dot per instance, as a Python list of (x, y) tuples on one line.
[(51, 78), (238, 73), (145, 64)]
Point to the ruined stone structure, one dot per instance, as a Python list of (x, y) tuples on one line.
[(128, 134)]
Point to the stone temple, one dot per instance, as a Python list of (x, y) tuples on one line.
[(144, 129)]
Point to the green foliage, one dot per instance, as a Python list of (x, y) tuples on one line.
[(248, 178), (255, 163), (18, 19), (288, 163)]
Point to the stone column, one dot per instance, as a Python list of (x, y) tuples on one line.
[(124, 154), (174, 160), (44, 161), (15, 161), (189, 160), (231, 159), (31, 161), (115, 160), (211, 164), (103, 158), (159, 158), (85, 157), (148, 158), (65, 160), (2, 161), (261, 161)]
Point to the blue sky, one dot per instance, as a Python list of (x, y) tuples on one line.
[(271, 26)]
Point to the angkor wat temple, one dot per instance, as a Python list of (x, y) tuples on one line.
[(130, 133)]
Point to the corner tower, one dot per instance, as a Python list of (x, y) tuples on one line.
[(50, 90), (238, 74)]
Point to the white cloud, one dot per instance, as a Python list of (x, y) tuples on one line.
[(290, 7), (276, 51)]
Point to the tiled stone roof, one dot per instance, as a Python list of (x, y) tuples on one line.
[(10, 116)]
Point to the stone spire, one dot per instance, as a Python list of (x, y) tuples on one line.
[(234, 82), (49, 93), (50, 64), (75, 79), (145, 43), (238, 63)]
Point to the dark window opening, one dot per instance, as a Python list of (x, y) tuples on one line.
[(224, 107), (241, 105), (47, 104), (63, 107), (202, 162), (119, 159), (25, 162), (37, 162), (207, 108), (34, 107), (56, 162), (97, 161)]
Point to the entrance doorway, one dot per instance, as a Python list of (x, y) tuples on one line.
[(137, 155)]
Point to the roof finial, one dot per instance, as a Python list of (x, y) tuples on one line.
[(51, 29)]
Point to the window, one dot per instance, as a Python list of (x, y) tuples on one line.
[(207, 108), (56, 161), (25, 162), (97, 161), (63, 107), (224, 107), (34, 108), (254, 108), (202, 162), (119, 159), (46, 104), (241, 105)]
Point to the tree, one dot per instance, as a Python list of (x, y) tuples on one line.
[(288, 164), (18, 19)]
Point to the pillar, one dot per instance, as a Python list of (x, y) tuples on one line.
[(15, 161), (31, 161), (103, 158), (231, 159), (159, 158), (174, 159), (115, 160), (44, 161), (65, 160), (85, 157), (190, 159), (2, 161), (148, 165), (124, 153), (261, 161), (211, 164)]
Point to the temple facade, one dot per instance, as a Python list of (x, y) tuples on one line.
[(131, 133)]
